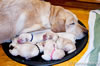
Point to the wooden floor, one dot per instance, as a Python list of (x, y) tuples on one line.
[(82, 14)]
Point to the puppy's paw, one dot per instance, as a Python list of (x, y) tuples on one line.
[(46, 57), (70, 48), (58, 54), (14, 52)]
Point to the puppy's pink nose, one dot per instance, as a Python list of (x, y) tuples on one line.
[(44, 37), (20, 41)]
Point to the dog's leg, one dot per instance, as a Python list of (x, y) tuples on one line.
[(20, 22), (33, 28)]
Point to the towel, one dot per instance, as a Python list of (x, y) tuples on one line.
[(92, 55)]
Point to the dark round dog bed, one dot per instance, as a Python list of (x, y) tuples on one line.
[(38, 61)]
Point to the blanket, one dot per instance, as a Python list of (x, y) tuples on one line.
[(92, 55)]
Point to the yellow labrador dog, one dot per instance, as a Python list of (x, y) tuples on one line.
[(21, 16)]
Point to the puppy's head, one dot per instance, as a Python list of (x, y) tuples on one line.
[(50, 36), (64, 20), (25, 37)]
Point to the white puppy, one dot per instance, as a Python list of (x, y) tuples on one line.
[(33, 37), (63, 41), (66, 45), (26, 50), (30, 37), (51, 52)]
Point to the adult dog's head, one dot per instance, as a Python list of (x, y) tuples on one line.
[(63, 20)]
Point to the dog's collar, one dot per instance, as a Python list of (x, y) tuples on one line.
[(37, 47), (31, 37)]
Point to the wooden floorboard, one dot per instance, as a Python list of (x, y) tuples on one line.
[(76, 3)]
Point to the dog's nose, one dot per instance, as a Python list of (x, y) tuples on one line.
[(20, 41), (85, 32)]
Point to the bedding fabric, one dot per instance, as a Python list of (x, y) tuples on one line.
[(92, 55)]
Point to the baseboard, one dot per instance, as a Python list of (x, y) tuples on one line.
[(79, 4)]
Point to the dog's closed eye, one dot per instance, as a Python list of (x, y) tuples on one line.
[(72, 23)]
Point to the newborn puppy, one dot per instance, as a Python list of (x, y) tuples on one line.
[(29, 37), (50, 36), (63, 41), (51, 52), (33, 37), (66, 45), (67, 36), (26, 50), (54, 36)]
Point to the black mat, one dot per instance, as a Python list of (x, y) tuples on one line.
[(38, 61)]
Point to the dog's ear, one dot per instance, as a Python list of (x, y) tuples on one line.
[(59, 23), (57, 19), (59, 26)]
